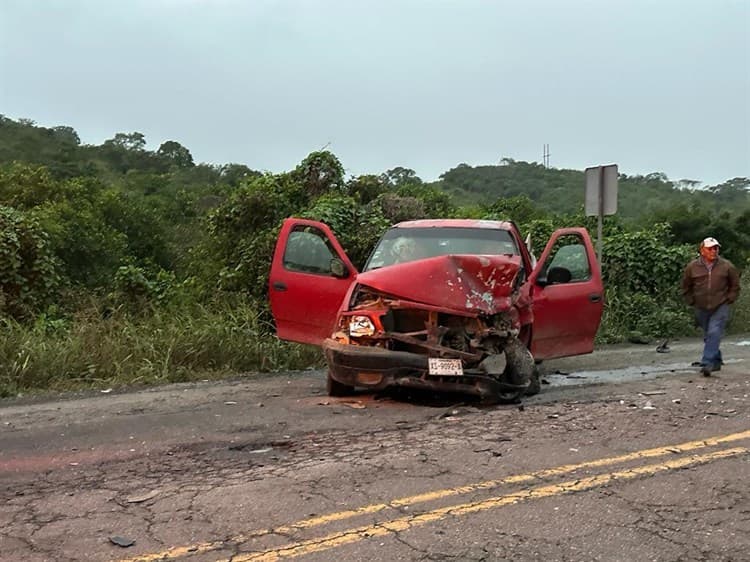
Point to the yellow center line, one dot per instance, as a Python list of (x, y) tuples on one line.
[(180, 551), (406, 523)]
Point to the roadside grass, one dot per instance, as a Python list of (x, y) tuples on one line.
[(145, 344), (173, 344)]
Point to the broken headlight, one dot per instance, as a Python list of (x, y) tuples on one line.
[(360, 326)]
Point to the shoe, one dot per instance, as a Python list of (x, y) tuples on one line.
[(714, 367), (706, 371)]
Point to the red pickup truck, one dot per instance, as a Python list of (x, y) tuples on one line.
[(453, 304)]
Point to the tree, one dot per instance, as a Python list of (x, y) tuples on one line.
[(436, 203), (24, 186), (397, 208), (235, 174), (127, 151), (319, 173), (519, 209), (366, 188), (400, 176), (67, 134), (128, 141), (683, 183), (176, 154)]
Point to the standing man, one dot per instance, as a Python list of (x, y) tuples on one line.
[(711, 284)]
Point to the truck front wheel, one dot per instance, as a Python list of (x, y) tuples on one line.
[(535, 382)]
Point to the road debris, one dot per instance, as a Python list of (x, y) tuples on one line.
[(356, 405), (121, 541), (649, 406), (143, 497), (652, 392), (450, 414)]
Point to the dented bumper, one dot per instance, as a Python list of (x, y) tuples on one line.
[(376, 368)]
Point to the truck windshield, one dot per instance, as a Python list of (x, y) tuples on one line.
[(400, 245)]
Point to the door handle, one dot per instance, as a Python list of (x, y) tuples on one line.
[(595, 297), (279, 286)]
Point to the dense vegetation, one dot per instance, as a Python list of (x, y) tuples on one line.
[(122, 265)]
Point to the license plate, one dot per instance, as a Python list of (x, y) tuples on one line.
[(450, 367)]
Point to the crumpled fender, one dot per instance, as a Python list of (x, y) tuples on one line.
[(481, 284)]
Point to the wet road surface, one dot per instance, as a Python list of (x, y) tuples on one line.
[(616, 459)]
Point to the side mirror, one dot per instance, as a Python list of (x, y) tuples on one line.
[(556, 276), (338, 269)]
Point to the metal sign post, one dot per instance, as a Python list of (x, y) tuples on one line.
[(601, 198)]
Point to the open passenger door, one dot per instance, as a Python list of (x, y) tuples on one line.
[(310, 275), (568, 296)]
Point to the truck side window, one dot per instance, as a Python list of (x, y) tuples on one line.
[(570, 253), (308, 250)]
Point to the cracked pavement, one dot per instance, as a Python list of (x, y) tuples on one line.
[(261, 468)]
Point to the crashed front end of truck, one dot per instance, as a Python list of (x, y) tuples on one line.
[(448, 323)]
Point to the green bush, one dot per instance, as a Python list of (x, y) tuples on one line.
[(739, 322), (356, 227), (28, 271), (642, 273)]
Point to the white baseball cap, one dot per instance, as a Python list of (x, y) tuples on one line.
[(710, 242)]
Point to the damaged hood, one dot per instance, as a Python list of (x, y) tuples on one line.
[(469, 283)]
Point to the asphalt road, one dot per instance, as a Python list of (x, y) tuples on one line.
[(627, 454)]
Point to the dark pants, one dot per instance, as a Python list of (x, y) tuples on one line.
[(712, 323)]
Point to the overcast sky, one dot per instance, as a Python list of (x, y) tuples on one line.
[(651, 85)]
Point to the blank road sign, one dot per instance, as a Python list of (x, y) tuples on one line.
[(601, 181)]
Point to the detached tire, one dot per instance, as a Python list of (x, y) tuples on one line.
[(337, 389)]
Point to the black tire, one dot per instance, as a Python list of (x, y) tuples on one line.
[(336, 388), (519, 369), (509, 397)]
